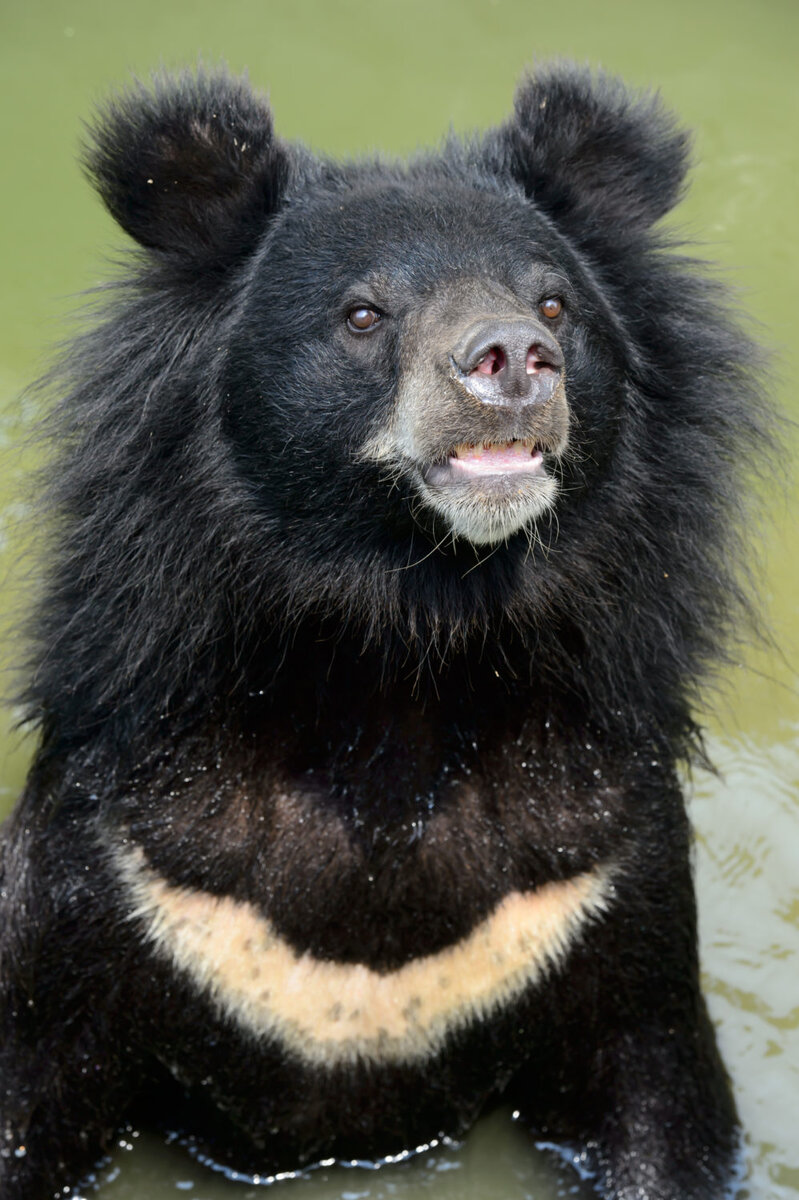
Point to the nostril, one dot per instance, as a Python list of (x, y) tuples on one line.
[(491, 363), (537, 360)]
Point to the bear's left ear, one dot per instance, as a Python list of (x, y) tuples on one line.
[(597, 157), (191, 167)]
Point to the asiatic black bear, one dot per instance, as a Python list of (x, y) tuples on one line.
[(394, 528)]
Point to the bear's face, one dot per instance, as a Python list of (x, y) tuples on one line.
[(421, 349)]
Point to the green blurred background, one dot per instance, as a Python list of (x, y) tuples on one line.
[(347, 77)]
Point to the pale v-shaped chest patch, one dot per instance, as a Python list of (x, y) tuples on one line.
[(329, 1013)]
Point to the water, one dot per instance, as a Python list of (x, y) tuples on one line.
[(348, 76)]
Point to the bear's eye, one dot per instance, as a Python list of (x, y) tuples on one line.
[(551, 308), (363, 319)]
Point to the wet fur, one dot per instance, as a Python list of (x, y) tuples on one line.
[(258, 660)]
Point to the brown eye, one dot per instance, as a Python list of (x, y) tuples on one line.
[(362, 319), (551, 308)]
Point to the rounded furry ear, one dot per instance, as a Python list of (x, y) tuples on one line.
[(189, 167), (596, 156)]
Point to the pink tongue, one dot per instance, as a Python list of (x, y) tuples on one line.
[(496, 460)]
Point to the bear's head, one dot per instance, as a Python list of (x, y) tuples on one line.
[(422, 404), (414, 350)]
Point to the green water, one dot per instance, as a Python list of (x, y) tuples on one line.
[(348, 76)]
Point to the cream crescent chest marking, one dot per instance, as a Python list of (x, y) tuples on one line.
[(330, 1013)]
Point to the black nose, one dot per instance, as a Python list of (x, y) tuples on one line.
[(511, 361)]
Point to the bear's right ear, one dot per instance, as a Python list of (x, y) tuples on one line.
[(190, 168)]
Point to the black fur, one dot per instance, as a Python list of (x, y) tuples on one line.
[(241, 605)]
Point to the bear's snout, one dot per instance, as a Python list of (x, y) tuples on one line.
[(509, 361)]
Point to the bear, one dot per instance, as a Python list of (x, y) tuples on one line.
[(398, 515)]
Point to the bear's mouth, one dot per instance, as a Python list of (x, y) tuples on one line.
[(487, 490), (476, 460)]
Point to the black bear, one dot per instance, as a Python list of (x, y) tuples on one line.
[(394, 527)]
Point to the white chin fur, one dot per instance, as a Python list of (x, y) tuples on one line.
[(487, 515)]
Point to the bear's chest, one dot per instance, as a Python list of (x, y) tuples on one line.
[(329, 1011), (373, 930)]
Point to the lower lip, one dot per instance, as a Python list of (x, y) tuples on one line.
[(489, 469), (497, 462)]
